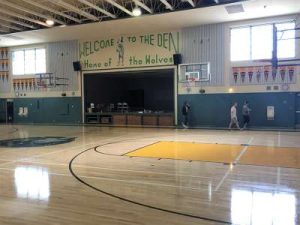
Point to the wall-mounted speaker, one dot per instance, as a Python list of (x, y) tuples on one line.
[(77, 66), (177, 59)]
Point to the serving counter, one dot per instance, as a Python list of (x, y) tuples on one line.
[(131, 118)]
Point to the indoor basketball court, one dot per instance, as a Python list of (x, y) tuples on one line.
[(125, 175), (149, 112)]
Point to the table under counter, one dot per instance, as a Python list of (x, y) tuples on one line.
[(130, 118)]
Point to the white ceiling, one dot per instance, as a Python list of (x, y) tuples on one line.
[(152, 23)]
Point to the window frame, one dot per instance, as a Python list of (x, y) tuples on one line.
[(250, 26), (28, 75)]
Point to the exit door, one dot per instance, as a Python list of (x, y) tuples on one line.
[(298, 110), (9, 112)]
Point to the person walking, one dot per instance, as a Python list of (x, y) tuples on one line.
[(185, 113), (246, 114), (233, 116)]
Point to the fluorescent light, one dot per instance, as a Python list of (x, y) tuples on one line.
[(137, 11), (50, 22)]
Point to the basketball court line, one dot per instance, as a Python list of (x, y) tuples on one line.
[(234, 163), (68, 149), (257, 155), (190, 151), (135, 202), (243, 151), (106, 168), (115, 180), (27, 159), (11, 132), (135, 182), (122, 181)]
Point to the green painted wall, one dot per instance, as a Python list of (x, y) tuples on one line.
[(213, 110), (207, 110), (49, 110)]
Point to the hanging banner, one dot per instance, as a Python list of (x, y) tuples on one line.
[(125, 51), (282, 72), (258, 74), (250, 73), (243, 73), (291, 72), (266, 72), (235, 71)]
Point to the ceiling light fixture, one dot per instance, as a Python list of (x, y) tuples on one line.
[(50, 22), (137, 11)]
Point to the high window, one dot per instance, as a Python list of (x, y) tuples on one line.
[(256, 42), (29, 61)]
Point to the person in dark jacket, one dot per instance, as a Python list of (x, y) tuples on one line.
[(246, 114), (185, 114)]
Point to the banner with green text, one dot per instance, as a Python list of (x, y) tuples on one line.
[(125, 51)]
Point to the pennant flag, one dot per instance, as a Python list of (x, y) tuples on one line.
[(250, 73), (235, 73), (282, 73), (291, 72), (258, 74), (266, 72), (243, 75)]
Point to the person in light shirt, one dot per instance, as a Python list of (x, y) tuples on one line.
[(233, 116)]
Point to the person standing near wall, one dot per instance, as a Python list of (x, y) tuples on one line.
[(246, 114), (185, 112), (233, 116)]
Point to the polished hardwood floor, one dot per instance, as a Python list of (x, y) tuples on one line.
[(92, 181)]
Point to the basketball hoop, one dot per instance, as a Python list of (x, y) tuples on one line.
[(42, 85), (192, 79)]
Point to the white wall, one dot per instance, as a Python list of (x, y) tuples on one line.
[(207, 43), (59, 58), (211, 43)]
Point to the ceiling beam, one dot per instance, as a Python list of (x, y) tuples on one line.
[(167, 4), (12, 5), (4, 31), (7, 12), (52, 10), (143, 5), (75, 9), (112, 2), (17, 22), (192, 3), (97, 8), (11, 27)]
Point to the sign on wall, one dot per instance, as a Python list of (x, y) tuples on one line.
[(129, 51)]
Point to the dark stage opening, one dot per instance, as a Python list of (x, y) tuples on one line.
[(140, 90)]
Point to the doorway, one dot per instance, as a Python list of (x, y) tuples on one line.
[(9, 112), (297, 107), (142, 91)]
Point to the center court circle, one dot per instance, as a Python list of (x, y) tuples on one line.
[(35, 141)]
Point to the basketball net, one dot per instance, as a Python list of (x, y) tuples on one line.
[(191, 82), (42, 86)]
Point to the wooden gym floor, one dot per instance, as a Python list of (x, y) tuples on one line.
[(150, 176)]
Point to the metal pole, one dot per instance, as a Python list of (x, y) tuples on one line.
[(274, 52)]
